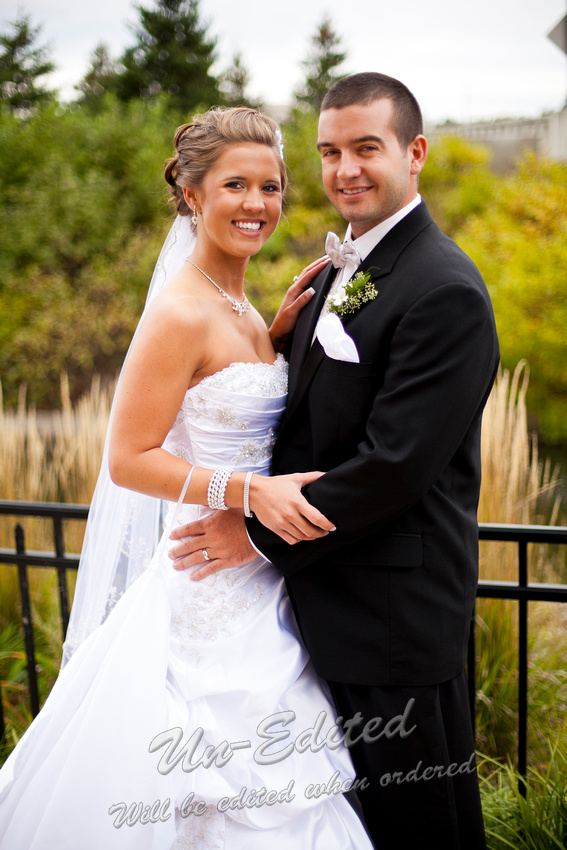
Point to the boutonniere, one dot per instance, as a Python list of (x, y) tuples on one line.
[(350, 297)]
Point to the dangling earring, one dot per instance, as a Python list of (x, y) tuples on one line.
[(194, 218)]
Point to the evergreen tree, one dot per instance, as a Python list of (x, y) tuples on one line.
[(100, 78), (21, 66), (234, 82), (321, 66), (172, 55)]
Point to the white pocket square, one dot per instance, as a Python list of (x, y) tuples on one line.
[(335, 341)]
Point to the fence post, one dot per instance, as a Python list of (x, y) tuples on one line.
[(61, 573), (27, 620), (522, 667)]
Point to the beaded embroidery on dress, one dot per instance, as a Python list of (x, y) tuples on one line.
[(173, 725)]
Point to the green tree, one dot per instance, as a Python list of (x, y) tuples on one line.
[(22, 64), (456, 182), (234, 82), (321, 66), (100, 77), (519, 242), (172, 54), (82, 198)]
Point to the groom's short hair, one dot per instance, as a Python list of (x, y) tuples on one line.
[(363, 89)]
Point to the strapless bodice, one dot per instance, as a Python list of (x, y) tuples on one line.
[(231, 417)]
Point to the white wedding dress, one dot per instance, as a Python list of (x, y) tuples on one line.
[(176, 723)]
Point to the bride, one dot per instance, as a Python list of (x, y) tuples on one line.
[(187, 714)]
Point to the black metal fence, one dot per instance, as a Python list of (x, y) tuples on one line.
[(23, 559), (521, 590)]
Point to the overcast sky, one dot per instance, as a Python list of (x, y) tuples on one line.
[(463, 60)]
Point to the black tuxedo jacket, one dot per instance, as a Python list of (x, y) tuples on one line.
[(387, 598)]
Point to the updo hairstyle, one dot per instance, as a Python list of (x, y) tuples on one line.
[(199, 144)]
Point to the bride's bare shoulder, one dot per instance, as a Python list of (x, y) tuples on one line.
[(179, 309)]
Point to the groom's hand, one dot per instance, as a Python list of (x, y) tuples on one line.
[(222, 535)]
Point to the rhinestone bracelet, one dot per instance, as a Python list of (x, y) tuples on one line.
[(247, 511), (217, 488)]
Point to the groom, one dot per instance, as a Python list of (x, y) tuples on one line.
[(384, 603)]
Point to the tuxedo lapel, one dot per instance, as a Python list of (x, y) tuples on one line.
[(312, 361), (305, 329), (382, 259)]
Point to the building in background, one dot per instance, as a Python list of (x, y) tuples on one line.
[(508, 138)]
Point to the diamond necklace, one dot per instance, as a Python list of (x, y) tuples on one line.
[(239, 307)]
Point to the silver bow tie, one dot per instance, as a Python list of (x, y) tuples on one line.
[(341, 253)]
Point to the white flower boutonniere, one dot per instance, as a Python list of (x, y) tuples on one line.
[(352, 295)]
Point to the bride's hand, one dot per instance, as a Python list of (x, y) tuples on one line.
[(293, 303), (280, 506)]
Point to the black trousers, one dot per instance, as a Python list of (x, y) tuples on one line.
[(421, 787)]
